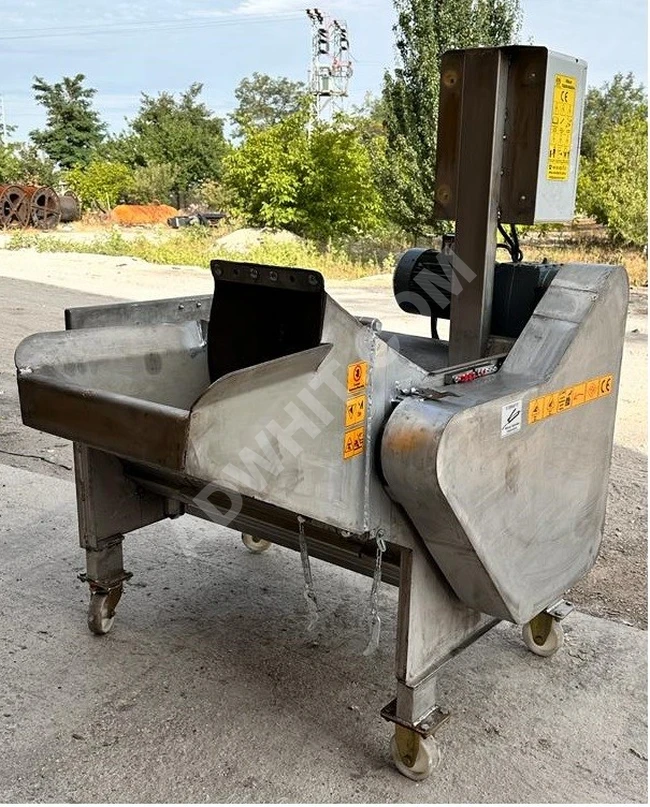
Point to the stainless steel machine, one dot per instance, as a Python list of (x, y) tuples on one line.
[(471, 472)]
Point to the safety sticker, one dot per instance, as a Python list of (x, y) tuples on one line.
[(561, 135), (510, 418), (353, 442), (569, 398), (357, 375), (355, 410)]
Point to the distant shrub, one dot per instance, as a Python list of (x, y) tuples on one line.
[(613, 185), (152, 183), (100, 184)]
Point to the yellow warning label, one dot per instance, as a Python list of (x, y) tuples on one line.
[(591, 389), (569, 398), (550, 404), (357, 375), (355, 410), (561, 135), (353, 442), (605, 385), (536, 410)]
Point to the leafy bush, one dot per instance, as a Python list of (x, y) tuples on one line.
[(9, 166), (613, 186), (317, 183), (23, 163), (212, 195), (100, 184), (152, 183)]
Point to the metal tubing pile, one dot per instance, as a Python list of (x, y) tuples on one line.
[(35, 206)]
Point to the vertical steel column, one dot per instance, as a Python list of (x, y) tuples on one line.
[(481, 131)]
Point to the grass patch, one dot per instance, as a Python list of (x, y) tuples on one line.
[(197, 246), (634, 261)]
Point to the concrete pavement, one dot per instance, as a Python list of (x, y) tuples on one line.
[(210, 689)]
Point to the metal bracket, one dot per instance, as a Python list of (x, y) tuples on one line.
[(560, 609), (104, 586), (425, 726), (426, 394)]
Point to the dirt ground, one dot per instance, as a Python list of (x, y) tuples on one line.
[(36, 288)]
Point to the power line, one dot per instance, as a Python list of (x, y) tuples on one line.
[(148, 26)]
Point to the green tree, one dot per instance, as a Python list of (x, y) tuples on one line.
[(317, 184), (73, 129), (121, 148), (424, 30), (369, 117), (338, 195), (263, 175), (609, 105), (181, 132), (265, 101), (613, 185), (9, 164), (152, 183), (23, 163), (100, 184)]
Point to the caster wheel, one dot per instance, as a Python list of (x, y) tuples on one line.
[(254, 544), (414, 756), (543, 635), (101, 610)]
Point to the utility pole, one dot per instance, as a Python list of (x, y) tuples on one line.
[(3, 120), (331, 65)]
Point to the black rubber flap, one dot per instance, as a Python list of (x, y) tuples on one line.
[(260, 313)]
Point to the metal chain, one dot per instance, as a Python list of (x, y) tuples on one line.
[(375, 619)]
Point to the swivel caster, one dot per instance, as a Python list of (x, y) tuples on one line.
[(543, 635), (101, 609), (414, 756), (255, 545)]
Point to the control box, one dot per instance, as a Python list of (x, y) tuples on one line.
[(543, 93)]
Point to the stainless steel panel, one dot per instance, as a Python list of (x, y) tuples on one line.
[(150, 312), (513, 522)]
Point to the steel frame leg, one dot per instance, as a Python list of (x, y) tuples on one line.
[(433, 625), (109, 504), (105, 565)]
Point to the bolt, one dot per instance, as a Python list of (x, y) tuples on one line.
[(181, 306), (425, 727), (450, 78), (273, 275), (522, 198)]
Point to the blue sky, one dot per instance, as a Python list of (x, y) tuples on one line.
[(128, 46)]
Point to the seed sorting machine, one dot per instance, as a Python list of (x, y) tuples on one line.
[(474, 468)]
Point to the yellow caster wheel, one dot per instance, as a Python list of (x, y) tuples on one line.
[(101, 610), (254, 544), (543, 635), (414, 756)]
